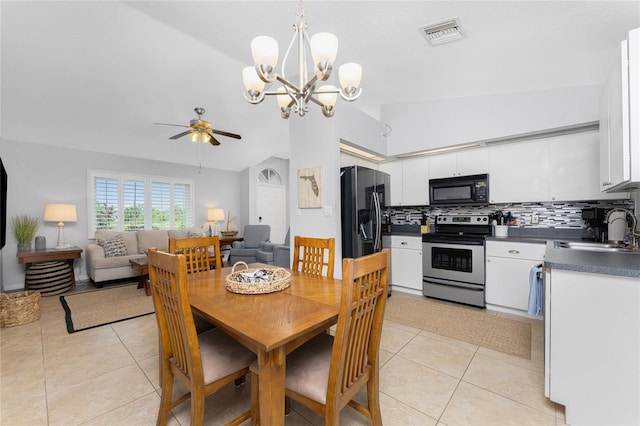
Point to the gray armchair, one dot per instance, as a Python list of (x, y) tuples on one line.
[(282, 252), (275, 253), (249, 250)]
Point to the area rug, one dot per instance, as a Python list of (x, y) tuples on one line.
[(467, 324), (84, 311)]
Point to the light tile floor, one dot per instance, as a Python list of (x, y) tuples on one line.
[(109, 376)]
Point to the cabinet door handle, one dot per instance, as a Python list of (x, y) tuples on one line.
[(514, 251)]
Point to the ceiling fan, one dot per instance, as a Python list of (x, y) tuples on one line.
[(201, 130)]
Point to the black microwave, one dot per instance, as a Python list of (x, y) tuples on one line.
[(472, 190)]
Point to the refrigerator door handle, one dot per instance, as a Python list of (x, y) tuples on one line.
[(377, 241)]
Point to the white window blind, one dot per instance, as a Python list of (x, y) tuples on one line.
[(128, 202)]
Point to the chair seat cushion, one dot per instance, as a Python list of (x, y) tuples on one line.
[(221, 355), (308, 368)]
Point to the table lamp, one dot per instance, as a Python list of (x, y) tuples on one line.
[(214, 215), (60, 213)]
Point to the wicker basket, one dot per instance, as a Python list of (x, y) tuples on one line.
[(19, 308), (228, 234), (280, 280)]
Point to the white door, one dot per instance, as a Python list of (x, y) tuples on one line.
[(270, 204)]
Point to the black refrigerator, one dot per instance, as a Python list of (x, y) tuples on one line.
[(363, 194)]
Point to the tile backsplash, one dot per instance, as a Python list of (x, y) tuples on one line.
[(566, 215)]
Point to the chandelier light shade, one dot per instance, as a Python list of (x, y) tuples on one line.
[(323, 48), (60, 213)]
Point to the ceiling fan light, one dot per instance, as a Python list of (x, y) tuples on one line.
[(206, 138), (324, 48), (264, 50), (330, 98), (194, 137), (350, 75)]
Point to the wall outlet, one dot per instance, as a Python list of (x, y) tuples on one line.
[(534, 219)]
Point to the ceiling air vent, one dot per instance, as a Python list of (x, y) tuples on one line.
[(442, 32)]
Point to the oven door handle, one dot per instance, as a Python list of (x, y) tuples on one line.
[(469, 286)]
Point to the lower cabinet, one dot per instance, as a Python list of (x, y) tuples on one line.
[(507, 272), (406, 263), (592, 346)]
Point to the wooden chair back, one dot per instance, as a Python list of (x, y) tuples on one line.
[(180, 345), (354, 356), (178, 338), (197, 252), (312, 255)]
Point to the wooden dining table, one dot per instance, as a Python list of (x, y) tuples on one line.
[(271, 325)]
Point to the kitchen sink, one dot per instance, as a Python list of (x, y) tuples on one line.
[(593, 246)]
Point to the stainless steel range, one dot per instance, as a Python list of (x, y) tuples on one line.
[(453, 259)]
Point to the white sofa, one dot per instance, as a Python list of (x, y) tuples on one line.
[(101, 268)]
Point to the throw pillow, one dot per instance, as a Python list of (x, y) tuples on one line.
[(193, 234), (114, 246)]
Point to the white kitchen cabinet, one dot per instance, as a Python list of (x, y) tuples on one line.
[(463, 163), (519, 172), (406, 263), (507, 272), (572, 159), (619, 117), (394, 169), (592, 346), (415, 181)]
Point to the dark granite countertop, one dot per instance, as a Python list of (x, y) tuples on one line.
[(607, 263)]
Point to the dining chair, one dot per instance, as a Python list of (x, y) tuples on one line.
[(325, 373), (203, 363), (309, 255), (197, 252)]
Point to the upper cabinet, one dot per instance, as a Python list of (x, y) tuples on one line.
[(620, 120), (519, 172), (561, 168), (409, 181), (463, 163), (573, 161)]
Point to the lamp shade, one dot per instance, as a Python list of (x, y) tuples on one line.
[(214, 215), (350, 75), (264, 50), (251, 80), (324, 48), (60, 213), (328, 99)]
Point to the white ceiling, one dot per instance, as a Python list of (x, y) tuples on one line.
[(97, 75)]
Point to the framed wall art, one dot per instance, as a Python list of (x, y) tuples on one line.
[(310, 188)]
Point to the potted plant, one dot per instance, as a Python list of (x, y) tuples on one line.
[(24, 230)]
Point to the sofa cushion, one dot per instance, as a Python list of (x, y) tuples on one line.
[(178, 233), (194, 234), (130, 239), (113, 247), (116, 262), (148, 238)]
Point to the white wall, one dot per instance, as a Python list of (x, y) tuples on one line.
[(433, 124), (314, 143), (41, 174)]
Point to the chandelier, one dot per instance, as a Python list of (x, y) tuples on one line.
[(323, 48)]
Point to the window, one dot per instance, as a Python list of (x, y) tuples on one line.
[(129, 202), (269, 176)]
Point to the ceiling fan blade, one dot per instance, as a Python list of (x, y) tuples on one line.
[(220, 132), (167, 124), (213, 141), (179, 135)]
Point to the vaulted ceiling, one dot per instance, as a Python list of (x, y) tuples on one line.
[(97, 75)]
